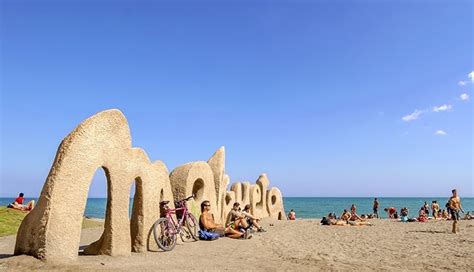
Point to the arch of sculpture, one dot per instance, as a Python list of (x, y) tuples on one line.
[(194, 178), (51, 231)]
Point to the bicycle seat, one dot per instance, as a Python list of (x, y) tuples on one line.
[(163, 203)]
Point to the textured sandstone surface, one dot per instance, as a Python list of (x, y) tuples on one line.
[(52, 230)]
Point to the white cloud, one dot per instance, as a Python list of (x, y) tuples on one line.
[(440, 132), (444, 107), (471, 76), (412, 116), (464, 97), (462, 83)]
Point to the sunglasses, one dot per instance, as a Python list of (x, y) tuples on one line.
[(207, 205)]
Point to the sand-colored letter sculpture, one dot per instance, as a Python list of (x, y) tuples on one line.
[(52, 230)]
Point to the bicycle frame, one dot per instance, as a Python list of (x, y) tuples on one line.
[(171, 212)]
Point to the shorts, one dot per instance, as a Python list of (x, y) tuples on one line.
[(376, 210), (454, 215)]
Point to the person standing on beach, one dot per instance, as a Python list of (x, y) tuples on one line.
[(455, 206), (376, 208), (426, 207), (435, 208)]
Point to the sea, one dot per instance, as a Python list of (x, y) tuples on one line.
[(312, 207)]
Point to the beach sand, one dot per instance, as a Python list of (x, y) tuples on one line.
[(298, 245)]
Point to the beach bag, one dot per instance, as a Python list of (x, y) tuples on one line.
[(207, 235)]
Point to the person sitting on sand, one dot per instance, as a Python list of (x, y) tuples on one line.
[(18, 201), (355, 217), (422, 215), (353, 208), (390, 212), (445, 214), (236, 219), (435, 209), (468, 216), (206, 222), (404, 212), (292, 215), (440, 215), (18, 204), (252, 221), (346, 215)]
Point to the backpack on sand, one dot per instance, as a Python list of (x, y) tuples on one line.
[(207, 235)]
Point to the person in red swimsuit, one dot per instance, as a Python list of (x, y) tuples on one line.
[(390, 212), (18, 203), (20, 199)]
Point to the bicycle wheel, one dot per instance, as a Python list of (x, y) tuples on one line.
[(192, 226), (165, 234)]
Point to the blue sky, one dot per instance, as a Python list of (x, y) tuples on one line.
[(329, 98)]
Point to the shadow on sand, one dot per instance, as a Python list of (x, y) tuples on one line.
[(3, 256), (428, 231)]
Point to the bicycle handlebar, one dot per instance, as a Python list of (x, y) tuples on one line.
[(185, 199)]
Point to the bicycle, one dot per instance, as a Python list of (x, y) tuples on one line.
[(165, 229)]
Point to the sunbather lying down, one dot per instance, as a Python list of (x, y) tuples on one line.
[(26, 208), (340, 222)]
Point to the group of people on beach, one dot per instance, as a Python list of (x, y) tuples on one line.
[(453, 208), (346, 219), (18, 204), (239, 224)]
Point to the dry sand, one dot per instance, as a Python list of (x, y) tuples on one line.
[(299, 245)]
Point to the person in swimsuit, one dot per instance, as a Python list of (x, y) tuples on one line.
[(206, 222), (252, 221), (292, 215), (422, 217), (236, 219), (346, 215), (435, 209), (376, 208), (354, 215), (444, 214), (426, 207), (390, 212), (455, 207), (18, 204)]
